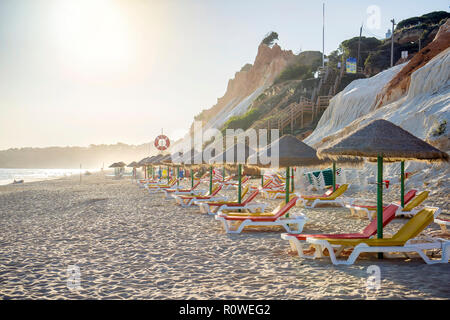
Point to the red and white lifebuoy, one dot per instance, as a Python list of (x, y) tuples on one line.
[(162, 142)]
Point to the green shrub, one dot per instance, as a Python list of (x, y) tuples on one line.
[(270, 38), (440, 130), (434, 17)]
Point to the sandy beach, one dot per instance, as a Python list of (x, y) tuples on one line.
[(132, 245)]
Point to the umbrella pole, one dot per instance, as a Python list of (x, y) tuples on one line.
[(334, 176), (287, 188), (168, 174), (178, 176), (239, 184), (210, 179), (287, 184), (262, 178), (223, 174), (292, 180), (380, 201), (402, 183), (192, 178)]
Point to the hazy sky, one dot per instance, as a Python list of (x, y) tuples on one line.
[(98, 71)]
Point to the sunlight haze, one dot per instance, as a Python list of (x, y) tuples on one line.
[(75, 73)]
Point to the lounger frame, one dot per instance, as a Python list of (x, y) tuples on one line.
[(320, 245), (298, 220)]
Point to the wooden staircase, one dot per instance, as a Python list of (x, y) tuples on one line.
[(298, 112)]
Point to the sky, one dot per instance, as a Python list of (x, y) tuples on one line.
[(74, 73)]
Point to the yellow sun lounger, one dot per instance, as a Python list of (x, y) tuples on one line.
[(402, 241), (333, 198), (273, 194), (257, 214), (158, 188), (410, 209)]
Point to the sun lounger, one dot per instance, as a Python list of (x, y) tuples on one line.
[(170, 193), (159, 188), (144, 182), (233, 184), (160, 182), (357, 209), (443, 223), (246, 205), (297, 240), (413, 206), (209, 206), (187, 201), (274, 192), (403, 241), (334, 198), (272, 219)]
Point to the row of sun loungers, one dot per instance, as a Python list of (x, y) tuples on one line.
[(248, 213)]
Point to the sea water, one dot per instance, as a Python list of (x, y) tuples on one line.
[(7, 176)]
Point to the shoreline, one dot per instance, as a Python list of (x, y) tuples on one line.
[(132, 245), (30, 179)]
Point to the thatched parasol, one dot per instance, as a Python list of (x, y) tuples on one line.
[(234, 156), (150, 163), (381, 139), (191, 159), (174, 159), (132, 164), (289, 151), (210, 151), (140, 163), (163, 159), (118, 165)]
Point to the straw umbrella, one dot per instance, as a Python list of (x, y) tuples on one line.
[(133, 165), (175, 160), (191, 159), (382, 140), (210, 149), (150, 163), (154, 161), (291, 152), (141, 164), (165, 160), (146, 162), (117, 167), (235, 155)]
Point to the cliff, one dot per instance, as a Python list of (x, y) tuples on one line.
[(415, 96), (247, 84), (399, 85)]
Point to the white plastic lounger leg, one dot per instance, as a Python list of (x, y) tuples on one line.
[(204, 208), (320, 245), (297, 245), (299, 222)]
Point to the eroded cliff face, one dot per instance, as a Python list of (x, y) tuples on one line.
[(399, 85), (269, 62), (418, 100)]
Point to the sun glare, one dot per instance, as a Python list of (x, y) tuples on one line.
[(93, 34)]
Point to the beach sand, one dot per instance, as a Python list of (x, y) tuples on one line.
[(132, 245)]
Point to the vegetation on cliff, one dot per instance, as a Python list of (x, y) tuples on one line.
[(301, 67), (270, 38)]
